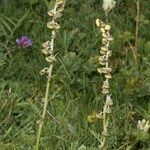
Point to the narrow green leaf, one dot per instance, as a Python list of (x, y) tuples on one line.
[(20, 21), (7, 25), (11, 21)]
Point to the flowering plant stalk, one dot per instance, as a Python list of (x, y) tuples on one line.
[(135, 52), (106, 70), (48, 50)]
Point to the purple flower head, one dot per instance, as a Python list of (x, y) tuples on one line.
[(24, 42)]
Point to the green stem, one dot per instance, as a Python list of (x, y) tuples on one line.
[(44, 109), (47, 90), (137, 30), (137, 24)]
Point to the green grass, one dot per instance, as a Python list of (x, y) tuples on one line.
[(75, 89)]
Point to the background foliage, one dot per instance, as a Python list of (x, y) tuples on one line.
[(76, 85)]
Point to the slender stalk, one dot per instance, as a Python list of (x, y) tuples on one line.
[(137, 30), (49, 50), (103, 139), (44, 109), (137, 24), (46, 98)]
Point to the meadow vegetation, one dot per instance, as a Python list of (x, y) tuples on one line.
[(75, 95)]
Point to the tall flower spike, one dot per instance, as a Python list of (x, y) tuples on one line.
[(48, 50), (105, 70)]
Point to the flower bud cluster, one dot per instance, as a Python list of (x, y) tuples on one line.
[(48, 46), (55, 14), (105, 53)]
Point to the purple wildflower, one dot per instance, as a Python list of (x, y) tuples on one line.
[(24, 42)]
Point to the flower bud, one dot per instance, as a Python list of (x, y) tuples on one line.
[(108, 110), (46, 44), (108, 76), (59, 2), (104, 70), (104, 35), (103, 30), (53, 25), (104, 49), (50, 13), (45, 51), (109, 101), (50, 59), (107, 27), (97, 22), (105, 91), (44, 71), (105, 85)]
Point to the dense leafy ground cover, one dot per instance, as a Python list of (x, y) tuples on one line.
[(75, 89)]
